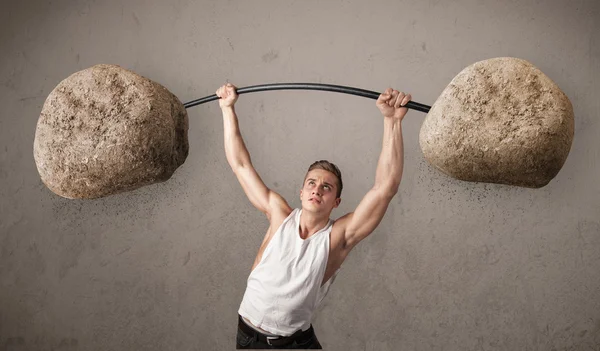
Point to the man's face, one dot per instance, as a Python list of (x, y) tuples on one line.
[(319, 191)]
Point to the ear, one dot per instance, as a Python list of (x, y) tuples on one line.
[(300, 194), (337, 202)]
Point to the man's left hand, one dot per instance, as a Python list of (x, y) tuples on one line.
[(390, 103)]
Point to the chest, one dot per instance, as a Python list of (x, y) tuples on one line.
[(336, 249)]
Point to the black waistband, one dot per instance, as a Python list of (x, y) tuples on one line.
[(274, 340)]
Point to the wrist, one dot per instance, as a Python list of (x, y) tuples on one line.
[(392, 119), (228, 108), (393, 122)]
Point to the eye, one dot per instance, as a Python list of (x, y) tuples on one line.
[(326, 187)]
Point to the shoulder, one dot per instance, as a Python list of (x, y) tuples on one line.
[(341, 223), (280, 211), (338, 232), (278, 207)]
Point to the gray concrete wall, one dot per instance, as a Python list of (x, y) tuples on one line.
[(453, 265)]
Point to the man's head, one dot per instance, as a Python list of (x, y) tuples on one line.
[(322, 186)]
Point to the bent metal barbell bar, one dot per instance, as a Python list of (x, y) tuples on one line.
[(308, 86)]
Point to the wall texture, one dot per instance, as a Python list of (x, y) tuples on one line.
[(453, 265)]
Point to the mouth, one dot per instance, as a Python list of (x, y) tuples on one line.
[(312, 199)]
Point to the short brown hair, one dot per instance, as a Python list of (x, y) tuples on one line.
[(330, 167)]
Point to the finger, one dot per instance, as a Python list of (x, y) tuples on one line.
[(388, 92), (392, 101), (399, 99), (386, 95), (406, 99)]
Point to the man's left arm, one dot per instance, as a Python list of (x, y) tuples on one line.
[(359, 224)]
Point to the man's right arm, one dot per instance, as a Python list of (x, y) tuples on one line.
[(263, 198)]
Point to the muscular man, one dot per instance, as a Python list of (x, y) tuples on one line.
[(303, 249)]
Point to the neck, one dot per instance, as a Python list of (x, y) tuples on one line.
[(311, 223)]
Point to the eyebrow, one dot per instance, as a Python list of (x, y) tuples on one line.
[(330, 185)]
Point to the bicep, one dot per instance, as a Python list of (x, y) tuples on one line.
[(261, 197), (367, 216)]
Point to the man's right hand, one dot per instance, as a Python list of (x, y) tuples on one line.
[(228, 95)]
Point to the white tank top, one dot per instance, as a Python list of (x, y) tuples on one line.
[(284, 289)]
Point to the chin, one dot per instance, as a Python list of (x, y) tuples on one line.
[(319, 208), (309, 206)]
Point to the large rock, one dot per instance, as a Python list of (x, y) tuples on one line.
[(499, 121), (106, 130)]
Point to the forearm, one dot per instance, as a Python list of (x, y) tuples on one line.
[(391, 160), (235, 149)]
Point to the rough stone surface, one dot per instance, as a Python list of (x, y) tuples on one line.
[(500, 121), (106, 130)]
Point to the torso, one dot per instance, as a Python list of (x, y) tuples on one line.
[(337, 248)]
